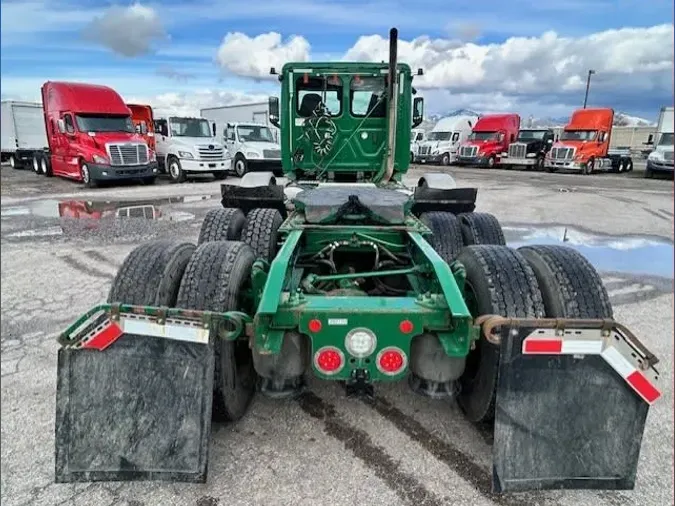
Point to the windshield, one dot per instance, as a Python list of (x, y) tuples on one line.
[(439, 136), (578, 135), (529, 135), (255, 133), (98, 123), (666, 139), (190, 127), (482, 136)]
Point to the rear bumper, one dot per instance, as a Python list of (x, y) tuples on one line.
[(660, 167), (109, 173), (191, 165)]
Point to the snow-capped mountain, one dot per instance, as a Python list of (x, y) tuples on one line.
[(436, 116), (623, 119)]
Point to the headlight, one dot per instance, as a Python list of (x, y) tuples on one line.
[(654, 156), (100, 159), (360, 342), (252, 154), (185, 154)]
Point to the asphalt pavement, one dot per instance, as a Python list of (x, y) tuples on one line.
[(323, 448)]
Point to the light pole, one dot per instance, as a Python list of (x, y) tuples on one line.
[(588, 85)]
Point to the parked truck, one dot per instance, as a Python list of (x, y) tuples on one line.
[(661, 158), (143, 120), (530, 149), (23, 132), (91, 136), (346, 274), (248, 135), (489, 140), (442, 143), (186, 145), (584, 145), (417, 137)]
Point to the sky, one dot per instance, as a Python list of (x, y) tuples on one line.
[(525, 56)]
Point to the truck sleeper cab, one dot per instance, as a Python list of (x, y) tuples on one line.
[(489, 140), (142, 118), (91, 136), (187, 146), (530, 148), (442, 143)]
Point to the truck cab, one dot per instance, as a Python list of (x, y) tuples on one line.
[(661, 158), (253, 147), (489, 140), (186, 146), (530, 148), (91, 136), (584, 145), (442, 143), (417, 138), (142, 118)]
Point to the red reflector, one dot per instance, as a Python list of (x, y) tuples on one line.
[(305, 78), (329, 360), (406, 326), (391, 361), (643, 387), (314, 325), (108, 335), (542, 346)]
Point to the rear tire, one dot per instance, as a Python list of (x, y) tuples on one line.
[(13, 163), (216, 279), (261, 232), (151, 274), (36, 164), (447, 234), (481, 228), (222, 224), (569, 284), (498, 281), (45, 165)]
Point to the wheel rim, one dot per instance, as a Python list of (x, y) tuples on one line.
[(491, 162), (36, 166), (85, 173), (174, 170), (43, 166), (12, 162), (239, 167)]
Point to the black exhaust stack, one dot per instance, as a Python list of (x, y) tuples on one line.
[(392, 96)]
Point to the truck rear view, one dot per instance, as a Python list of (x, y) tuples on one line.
[(91, 136)]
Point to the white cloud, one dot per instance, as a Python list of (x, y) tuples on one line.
[(129, 31), (253, 57), (189, 104)]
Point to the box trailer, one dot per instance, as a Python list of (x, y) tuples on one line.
[(661, 158), (23, 132), (257, 112)]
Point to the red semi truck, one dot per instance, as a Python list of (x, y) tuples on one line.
[(91, 136), (144, 122), (490, 137)]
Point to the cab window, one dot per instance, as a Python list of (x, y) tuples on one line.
[(68, 122), (312, 91), (455, 137), (367, 97)]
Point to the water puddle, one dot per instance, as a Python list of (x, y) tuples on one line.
[(633, 254)]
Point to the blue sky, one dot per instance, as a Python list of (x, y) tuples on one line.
[(487, 55)]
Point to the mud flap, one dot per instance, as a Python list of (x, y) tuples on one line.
[(133, 401), (570, 408)]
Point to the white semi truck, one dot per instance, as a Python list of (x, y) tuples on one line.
[(661, 158), (416, 140), (443, 141), (251, 140), (187, 146), (23, 132)]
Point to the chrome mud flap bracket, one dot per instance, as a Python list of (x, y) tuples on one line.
[(571, 405), (134, 399)]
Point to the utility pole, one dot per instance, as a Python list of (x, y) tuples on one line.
[(588, 85)]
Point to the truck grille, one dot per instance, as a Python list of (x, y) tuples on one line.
[(468, 151), (271, 153), (210, 152), (562, 153), (517, 150), (668, 155), (425, 150), (128, 154)]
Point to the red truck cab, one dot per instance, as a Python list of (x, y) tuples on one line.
[(490, 137), (91, 136), (144, 122), (584, 145)]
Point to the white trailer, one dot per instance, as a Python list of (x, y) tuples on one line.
[(257, 113), (23, 132), (661, 158)]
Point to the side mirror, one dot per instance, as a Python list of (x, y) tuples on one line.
[(213, 128), (142, 128), (418, 111), (650, 140), (274, 111), (62, 126)]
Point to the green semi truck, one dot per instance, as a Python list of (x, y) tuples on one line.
[(347, 274)]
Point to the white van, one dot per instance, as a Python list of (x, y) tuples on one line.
[(443, 141)]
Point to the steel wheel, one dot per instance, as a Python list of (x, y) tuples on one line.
[(36, 165), (43, 166), (12, 162), (86, 176), (240, 166)]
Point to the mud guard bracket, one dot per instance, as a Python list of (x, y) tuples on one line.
[(133, 406), (572, 400)]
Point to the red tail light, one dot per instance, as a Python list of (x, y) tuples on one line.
[(391, 360), (329, 360)]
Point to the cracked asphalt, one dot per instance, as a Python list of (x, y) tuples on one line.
[(322, 448)]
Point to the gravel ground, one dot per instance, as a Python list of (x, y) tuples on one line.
[(325, 449)]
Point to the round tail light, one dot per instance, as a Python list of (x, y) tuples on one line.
[(391, 361), (329, 360)]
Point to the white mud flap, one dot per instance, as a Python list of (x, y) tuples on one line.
[(133, 400), (571, 405)]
